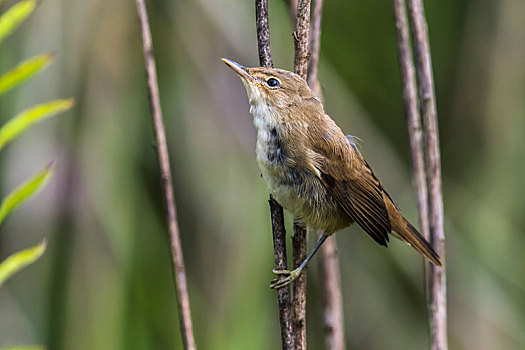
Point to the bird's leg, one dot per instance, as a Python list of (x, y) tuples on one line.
[(292, 275)]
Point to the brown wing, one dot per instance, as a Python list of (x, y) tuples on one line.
[(354, 185)]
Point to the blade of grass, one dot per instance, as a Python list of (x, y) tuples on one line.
[(30, 116), (24, 191), (19, 260), (16, 14), (24, 71), (25, 347)]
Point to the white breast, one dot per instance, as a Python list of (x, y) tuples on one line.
[(266, 138), (273, 160)]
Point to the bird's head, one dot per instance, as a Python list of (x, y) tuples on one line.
[(273, 87)]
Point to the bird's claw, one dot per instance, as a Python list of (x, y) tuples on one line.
[(283, 282)]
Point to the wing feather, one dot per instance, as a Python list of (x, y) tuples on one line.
[(351, 181)]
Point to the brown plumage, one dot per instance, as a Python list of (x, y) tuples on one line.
[(312, 169)]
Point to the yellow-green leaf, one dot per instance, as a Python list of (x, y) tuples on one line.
[(25, 347), (30, 116), (18, 261), (24, 191), (24, 71), (12, 18)]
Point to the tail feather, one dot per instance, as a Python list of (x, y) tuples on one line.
[(412, 237), (402, 229)]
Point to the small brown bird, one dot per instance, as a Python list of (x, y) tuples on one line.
[(313, 170)]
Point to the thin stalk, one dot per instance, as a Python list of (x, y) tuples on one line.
[(332, 296), (300, 36), (276, 211), (300, 237), (263, 33), (435, 276), (181, 289), (415, 133), (330, 275), (283, 294), (315, 46), (300, 251)]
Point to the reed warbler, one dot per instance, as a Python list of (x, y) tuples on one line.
[(313, 170)]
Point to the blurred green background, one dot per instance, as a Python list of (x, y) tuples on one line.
[(105, 281)]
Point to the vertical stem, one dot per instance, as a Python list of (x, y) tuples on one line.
[(332, 297), (436, 277), (283, 294), (276, 211), (300, 250), (315, 46), (330, 275), (300, 36), (415, 133), (183, 301), (300, 237), (263, 33)]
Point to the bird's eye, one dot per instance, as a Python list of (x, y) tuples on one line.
[(272, 82)]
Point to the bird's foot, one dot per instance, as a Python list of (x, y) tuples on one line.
[(290, 276)]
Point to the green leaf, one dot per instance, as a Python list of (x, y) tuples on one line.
[(24, 71), (19, 260), (12, 18), (24, 191), (30, 116), (25, 347)]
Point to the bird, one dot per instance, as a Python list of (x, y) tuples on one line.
[(314, 170)]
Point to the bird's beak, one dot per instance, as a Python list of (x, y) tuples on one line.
[(241, 70)]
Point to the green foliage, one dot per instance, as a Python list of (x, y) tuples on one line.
[(30, 116), (10, 20), (19, 260), (24, 71), (24, 191), (27, 347)]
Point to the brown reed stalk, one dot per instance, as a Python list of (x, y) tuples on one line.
[(428, 185), (181, 288), (300, 236), (276, 211), (413, 118), (329, 270)]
